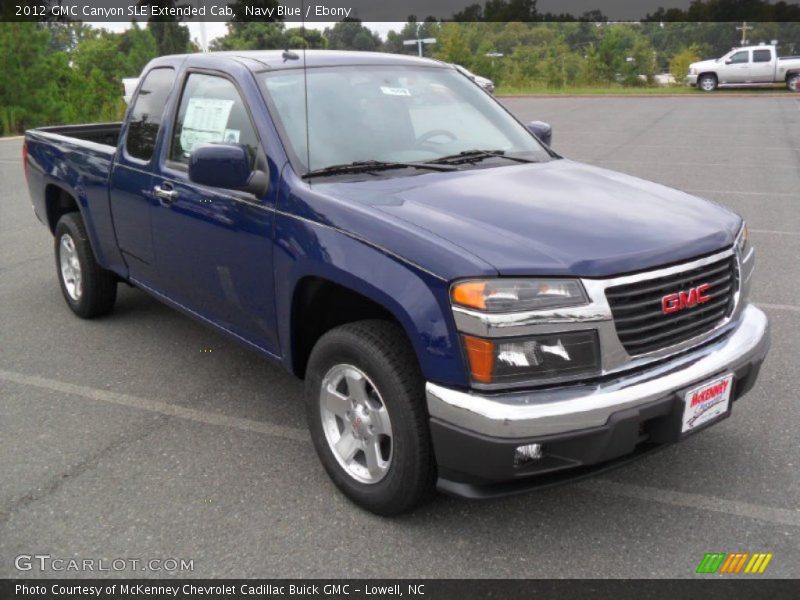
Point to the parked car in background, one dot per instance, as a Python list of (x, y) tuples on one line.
[(486, 84), (746, 67), (468, 309)]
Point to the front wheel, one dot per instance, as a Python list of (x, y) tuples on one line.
[(707, 83), (90, 290), (793, 82), (367, 416)]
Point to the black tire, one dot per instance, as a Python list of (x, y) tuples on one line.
[(98, 287), (793, 82), (707, 77), (382, 352)]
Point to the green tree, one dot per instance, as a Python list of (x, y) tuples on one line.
[(453, 46), (98, 66), (679, 63), (350, 34), (31, 78), (139, 46), (171, 37), (65, 36), (302, 37), (253, 35)]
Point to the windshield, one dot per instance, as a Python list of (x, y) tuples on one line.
[(400, 114)]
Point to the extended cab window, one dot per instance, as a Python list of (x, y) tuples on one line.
[(147, 113), (740, 57), (211, 112), (762, 55)]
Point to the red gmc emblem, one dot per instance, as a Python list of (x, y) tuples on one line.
[(685, 299)]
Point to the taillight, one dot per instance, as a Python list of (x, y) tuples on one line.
[(25, 158)]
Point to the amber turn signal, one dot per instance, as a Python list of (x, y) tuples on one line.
[(481, 358), (470, 293)]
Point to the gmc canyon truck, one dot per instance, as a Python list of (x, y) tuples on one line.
[(469, 311), (746, 67)]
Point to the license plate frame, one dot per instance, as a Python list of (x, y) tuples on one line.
[(706, 404)]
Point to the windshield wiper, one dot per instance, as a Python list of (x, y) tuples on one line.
[(365, 166), (470, 156)]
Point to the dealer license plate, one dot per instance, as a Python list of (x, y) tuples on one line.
[(706, 403)]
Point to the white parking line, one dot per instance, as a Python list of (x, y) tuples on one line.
[(163, 408), (778, 516), (12, 139), (638, 492)]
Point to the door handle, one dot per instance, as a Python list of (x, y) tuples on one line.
[(166, 195)]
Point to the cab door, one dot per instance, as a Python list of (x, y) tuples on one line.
[(213, 246), (737, 68), (132, 202), (763, 66)]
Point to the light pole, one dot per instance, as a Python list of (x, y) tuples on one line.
[(419, 42)]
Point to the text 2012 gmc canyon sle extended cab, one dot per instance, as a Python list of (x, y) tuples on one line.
[(469, 310)]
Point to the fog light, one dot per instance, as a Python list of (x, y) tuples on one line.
[(527, 453)]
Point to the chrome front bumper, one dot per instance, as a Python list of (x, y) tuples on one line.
[(575, 407)]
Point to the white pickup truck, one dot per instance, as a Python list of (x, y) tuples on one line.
[(747, 66)]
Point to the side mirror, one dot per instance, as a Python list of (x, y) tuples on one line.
[(541, 130), (226, 166), (729, 62)]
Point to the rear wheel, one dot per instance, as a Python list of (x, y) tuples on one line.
[(707, 83), (90, 290), (793, 82), (367, 416)]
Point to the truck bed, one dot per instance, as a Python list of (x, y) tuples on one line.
[(106, 134), (76, 160)]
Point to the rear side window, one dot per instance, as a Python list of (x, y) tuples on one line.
[(740, 57), (147, 112), (762, 55), (211, 112)]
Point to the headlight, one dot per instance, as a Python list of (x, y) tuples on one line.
[(507, 295), (513, 360), (743, 241), (692, 71)]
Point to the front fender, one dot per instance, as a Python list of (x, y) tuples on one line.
[(416, 298)]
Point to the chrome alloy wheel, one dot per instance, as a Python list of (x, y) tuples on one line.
[(70, 267), (708, 84), (356, 423)]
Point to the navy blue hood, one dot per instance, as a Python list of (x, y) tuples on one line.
[(557, 218)]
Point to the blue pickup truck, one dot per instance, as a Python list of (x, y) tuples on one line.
[(470, 311)]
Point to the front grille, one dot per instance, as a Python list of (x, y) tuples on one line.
[(643, 327)]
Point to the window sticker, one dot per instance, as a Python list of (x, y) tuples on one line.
[(205, 122), (395, 91)]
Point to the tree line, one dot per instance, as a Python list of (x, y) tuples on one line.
[(69, 72)]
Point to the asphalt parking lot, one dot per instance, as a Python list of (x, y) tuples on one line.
[(123, 438)]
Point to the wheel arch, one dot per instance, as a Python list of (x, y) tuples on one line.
[(59, 201), (352, 280)]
